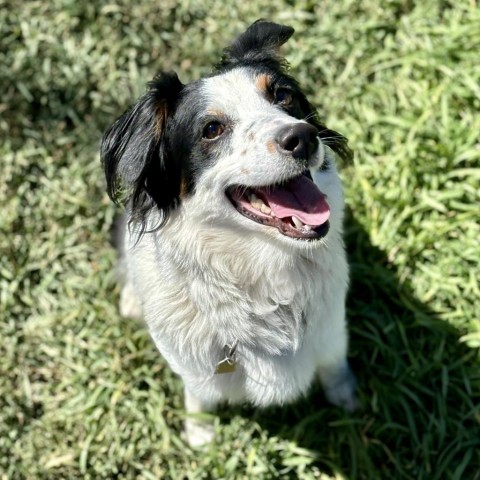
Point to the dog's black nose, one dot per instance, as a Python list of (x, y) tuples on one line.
[(299, 139)]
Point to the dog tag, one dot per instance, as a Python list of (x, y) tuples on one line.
[(225, 366), (229, 363)]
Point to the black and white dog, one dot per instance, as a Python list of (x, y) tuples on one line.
[(234, 253)]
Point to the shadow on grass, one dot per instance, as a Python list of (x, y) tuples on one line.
[(415, 381)]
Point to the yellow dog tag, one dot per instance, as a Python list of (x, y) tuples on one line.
[(225, 366), (229, 363)]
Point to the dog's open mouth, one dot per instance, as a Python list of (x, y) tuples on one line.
[(297, 208)]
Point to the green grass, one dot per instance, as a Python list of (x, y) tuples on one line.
[(84, 394)]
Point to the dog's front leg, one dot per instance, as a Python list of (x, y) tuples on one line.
[(337, 379), (199, 431), (130, 305), (339, 385)]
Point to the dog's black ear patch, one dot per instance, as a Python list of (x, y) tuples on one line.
[(139, 170), (259, 43)]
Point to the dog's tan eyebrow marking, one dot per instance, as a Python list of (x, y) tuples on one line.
[(263, 82), (215, 113)]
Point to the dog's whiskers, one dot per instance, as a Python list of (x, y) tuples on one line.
[(309, 116)]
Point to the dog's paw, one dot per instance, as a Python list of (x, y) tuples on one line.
[(199, 433), (130, 306), (340, 388)]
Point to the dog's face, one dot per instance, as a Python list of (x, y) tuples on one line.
[(235, 149)]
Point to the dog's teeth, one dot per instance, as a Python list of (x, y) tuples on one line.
[(308, 228), (265, 209), (255, 201), (258, 204), (297, 222)]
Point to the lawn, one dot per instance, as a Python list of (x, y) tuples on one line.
[(83, 392)]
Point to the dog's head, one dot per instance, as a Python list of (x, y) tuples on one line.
[(236, 149)]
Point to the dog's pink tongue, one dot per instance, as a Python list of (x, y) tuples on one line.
[(301, 198)]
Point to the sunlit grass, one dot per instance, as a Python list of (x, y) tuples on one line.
[(84, 394)]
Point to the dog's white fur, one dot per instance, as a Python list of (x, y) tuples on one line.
[(210, 277)]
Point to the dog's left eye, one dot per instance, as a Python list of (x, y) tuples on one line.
[(213, 130), (283, 96)]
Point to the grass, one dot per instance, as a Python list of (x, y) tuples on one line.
[(84, 394)]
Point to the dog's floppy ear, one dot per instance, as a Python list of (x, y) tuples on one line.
[(259, 43), (138, 168)]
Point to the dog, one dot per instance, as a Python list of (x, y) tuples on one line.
[(233, 251)]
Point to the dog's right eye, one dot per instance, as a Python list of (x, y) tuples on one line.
[(213, 130), (283, 96)]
